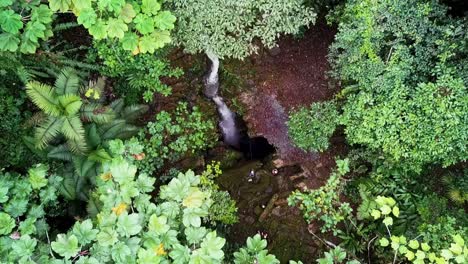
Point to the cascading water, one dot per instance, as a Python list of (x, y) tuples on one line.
[(228, 118), (253, 148), (228, 123)]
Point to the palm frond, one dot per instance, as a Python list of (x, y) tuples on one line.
[(132, 112), (67, 82), (48, 131), (44, 97), (97, 113), (72, 128), (71, 103), (60, 152), (111, 130)]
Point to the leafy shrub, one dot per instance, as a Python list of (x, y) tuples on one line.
[(23, 24), (140, 74), (402, 64), (172, 136), (229, 28), (137, 26), (311, 128), (324, 203), (13, 151)]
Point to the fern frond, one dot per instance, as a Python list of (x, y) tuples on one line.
[(35, 120), (99, 155), (44, 97), (111, 130), (118, 105), (132, 112), (60, 152), (48, 131), (94, 205), (92, 136), (65, 26), (71, 103), (84, 166), (77, 146), (97, 113), (67, 82), (72, 129), (128, 131)]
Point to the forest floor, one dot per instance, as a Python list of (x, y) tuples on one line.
[(276, 82)]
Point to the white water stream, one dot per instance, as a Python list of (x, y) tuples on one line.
[(228, 118)]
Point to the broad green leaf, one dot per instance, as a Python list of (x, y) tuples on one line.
[(98, 30), (27, 227), (34, 31), (37, 176), (147, 256), (388, 221), (164, 20), (107, 237), (87, 17), (120, 252), (111, 5), (180, 254), (396, 211), (409, 255), (456, 249), (384, 242), (130, 41), (9, 42), (4, 3), (7, 223), (458, 240), (128, 13), (158, 224), (28, 47), (425, 246), (116, 28), (66, 246), (145, 184), (24, 246), (194, 199), (385, 209), (128, 224), (123, 172), (80, 5), (144, 24), (42, 14), (161, 38), (376, 214), (10, 21), (420, 254), (212, 245), (60, 5), (175, 190), (3, 194), (146, 44), (150, 7), (84, 231), (195, 234), (414, 244)]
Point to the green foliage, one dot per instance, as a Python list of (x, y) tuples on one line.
[(311, 128), (23, 205), (23, 24), (324, 203), (223, 210), (228, 28), (140, 74), (172, 136), (414, 250), (85, 125), (402, 65), (13, 151), (136, 26), (254, 252), (457, 186), (336, 255)]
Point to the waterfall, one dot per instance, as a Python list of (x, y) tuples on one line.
[(228, 118), (228, 122)]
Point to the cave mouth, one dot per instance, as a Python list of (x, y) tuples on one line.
[(255, 148)]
